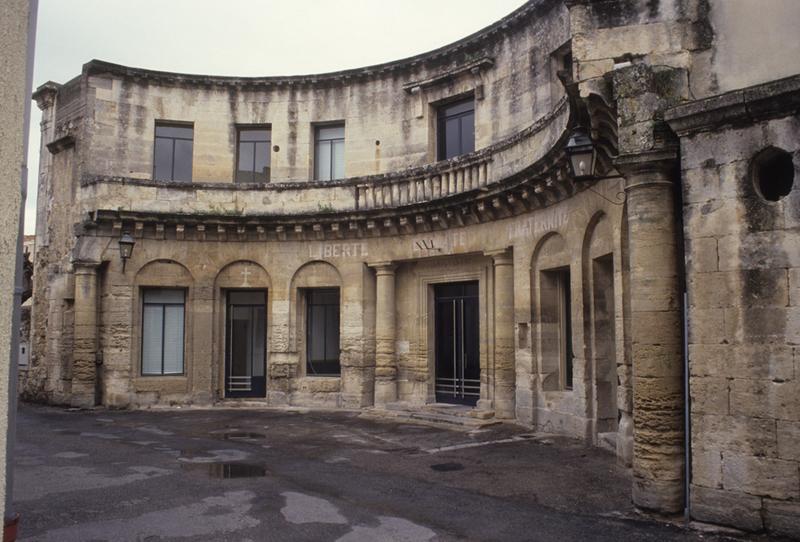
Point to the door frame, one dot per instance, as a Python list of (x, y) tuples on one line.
[(472, 268), (225, 350), (469, 401)]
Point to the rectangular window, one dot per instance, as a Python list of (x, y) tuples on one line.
[(322, 332), (329, 152), (172, 156), (456, 129), (162, 332), (252, 154)]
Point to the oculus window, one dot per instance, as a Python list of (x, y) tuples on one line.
[(162, 332), (252, 154), (172, 157), (456, 129), (329, 152), (322, 332)]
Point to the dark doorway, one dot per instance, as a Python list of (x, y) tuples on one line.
[(245, 344), (458, 371)]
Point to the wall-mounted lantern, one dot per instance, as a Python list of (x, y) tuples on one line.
[(582, 155), (126, 243)]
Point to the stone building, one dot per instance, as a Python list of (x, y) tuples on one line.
[(413, 233)]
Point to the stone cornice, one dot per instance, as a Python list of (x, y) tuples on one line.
[(45, 95), (460, 51), (774, 99), (474, 67)]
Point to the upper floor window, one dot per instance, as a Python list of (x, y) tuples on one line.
[(329, 152), (252, 154), (172, 158), (456, 129)]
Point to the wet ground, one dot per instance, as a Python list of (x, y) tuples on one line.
[(231, 474)]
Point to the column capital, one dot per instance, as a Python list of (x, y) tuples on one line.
[(383, 268), (84, 267), (647, 168), (501, 256)]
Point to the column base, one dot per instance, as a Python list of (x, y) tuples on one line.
[(385, 392), (664, 497)]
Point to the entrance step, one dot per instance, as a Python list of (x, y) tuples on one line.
[(437, 413), (607, 441)]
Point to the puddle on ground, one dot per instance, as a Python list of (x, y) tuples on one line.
[(447, 467), (224, 471)]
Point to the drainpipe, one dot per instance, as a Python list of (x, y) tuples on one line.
[(11, 519), (687, 419)]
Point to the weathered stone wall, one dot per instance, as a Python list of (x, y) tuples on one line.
[(207, 268), (742, 272)]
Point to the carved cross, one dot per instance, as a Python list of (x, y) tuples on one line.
[(246, 273)]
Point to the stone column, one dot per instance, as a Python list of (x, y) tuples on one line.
[(84, 356), (385, 361), (504, 369), (656, 331)]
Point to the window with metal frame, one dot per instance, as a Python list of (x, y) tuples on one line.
[(329, 152), (456, 129), (253, 154), (322, 332), (172, 153), (163, 314)]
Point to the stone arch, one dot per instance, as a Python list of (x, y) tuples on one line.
[(599, 322), (162, 273), (316, 274), (242, 274), (235, 275), (550, 266), (312, 274)]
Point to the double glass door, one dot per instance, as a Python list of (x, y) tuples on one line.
[(245, 344), (457, 331)]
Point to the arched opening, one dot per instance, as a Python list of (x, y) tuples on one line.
[(243, 308)]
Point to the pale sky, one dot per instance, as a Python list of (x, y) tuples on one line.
[(241, 37)]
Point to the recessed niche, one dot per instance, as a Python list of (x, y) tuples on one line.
[(773, 173)]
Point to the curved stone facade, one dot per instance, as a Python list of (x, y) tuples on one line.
[(492, 278)]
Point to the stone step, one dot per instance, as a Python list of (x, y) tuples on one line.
[(451, 415), (607, 441)]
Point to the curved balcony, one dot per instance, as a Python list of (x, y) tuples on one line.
[(518, 174)]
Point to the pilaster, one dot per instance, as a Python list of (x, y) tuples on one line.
[(84, 368), (504, 360)]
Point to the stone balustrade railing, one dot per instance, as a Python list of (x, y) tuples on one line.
[(455, 179)]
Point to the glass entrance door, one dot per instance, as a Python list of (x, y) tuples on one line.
[(457, 332), (245, 344)]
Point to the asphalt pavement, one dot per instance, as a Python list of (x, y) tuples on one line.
[(231, 474)]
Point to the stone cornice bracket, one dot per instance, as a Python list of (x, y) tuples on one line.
[(45, 95), (419, 104), (64, 142), (474, 67), (578, 110)]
